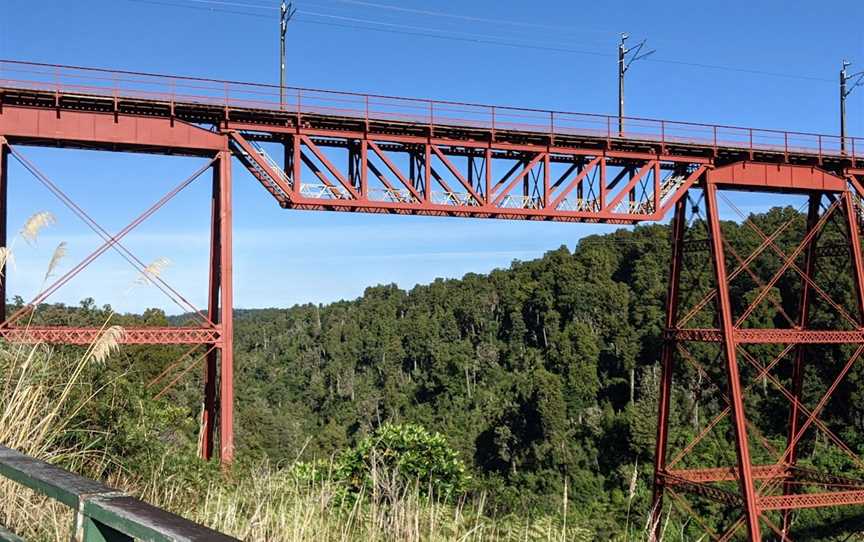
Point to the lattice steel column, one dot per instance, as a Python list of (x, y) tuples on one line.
[(209, 413), (798, 367), (679, 225), (220, 312), (730, 346), (226, 376)]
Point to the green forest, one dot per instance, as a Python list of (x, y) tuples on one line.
[(542, 377)]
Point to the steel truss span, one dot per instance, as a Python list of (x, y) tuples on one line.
[(321, 150)]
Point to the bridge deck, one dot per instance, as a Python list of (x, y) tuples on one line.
[(217, 102), (383, 154)]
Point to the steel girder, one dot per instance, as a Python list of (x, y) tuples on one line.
[(357, 172)]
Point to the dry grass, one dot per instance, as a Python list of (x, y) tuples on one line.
[(35, 224), (275, 506), (34, 415)]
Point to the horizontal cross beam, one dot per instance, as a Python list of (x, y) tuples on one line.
[(769, 336), (132, 335)]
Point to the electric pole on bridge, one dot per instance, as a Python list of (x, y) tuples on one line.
[(623, 66), (286, 11), (844, 93)]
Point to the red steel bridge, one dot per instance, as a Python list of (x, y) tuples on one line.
[(339, 151)]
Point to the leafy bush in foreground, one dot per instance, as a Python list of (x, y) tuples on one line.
[(397, 456)]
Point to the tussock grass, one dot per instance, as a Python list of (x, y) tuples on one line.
[(35, 408), (275, 505)]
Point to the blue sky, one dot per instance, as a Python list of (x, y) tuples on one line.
[(782, 59)]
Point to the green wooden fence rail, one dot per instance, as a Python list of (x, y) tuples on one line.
[(102, 514)]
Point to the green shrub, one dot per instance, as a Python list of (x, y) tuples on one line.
[(396, 458)]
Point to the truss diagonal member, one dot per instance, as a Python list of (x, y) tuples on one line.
[(506, 190), (390, 165), (740, 521), (689, 512), (791, 259), (796, 402), (631, 184), (732, 530), (566, 175), (580, 176), (859, 190), (750, 425), (734, 274), (789, 262), (246, 152), (446, 161), (109, 241), (758, 281), (191, 366), (725, 412), (171, 366), (330, 167), (773, 526), (821, 404), (855, 246), (681, 190), (438, 178)]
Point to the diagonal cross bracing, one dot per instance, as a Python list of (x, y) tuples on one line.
[(110, 241)]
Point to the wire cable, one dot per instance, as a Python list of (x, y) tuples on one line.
[(356, 23)]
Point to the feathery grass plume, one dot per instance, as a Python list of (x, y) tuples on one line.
[(35, 224), (631, 490), (6, 258), (152, 271), (59, 253), (107, 343)]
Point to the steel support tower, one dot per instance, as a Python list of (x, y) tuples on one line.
[(378, 154)]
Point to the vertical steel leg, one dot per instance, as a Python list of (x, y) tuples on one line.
[(4, 180), (798, 368), (724, 306), (679, 225), (208, 422), (226, 320), (855, 251), (297, 164)]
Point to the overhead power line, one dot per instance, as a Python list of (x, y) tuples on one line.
[(445, 34), (356, 23), (201, 8), (460, 17)]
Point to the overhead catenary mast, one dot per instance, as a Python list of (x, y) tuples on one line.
[(623, 66), (286, 12), (845, 91)]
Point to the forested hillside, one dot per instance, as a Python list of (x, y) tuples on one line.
[(528, 371), (542, 376)]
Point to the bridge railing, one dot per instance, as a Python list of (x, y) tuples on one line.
[(101, 513), (235, 94)]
